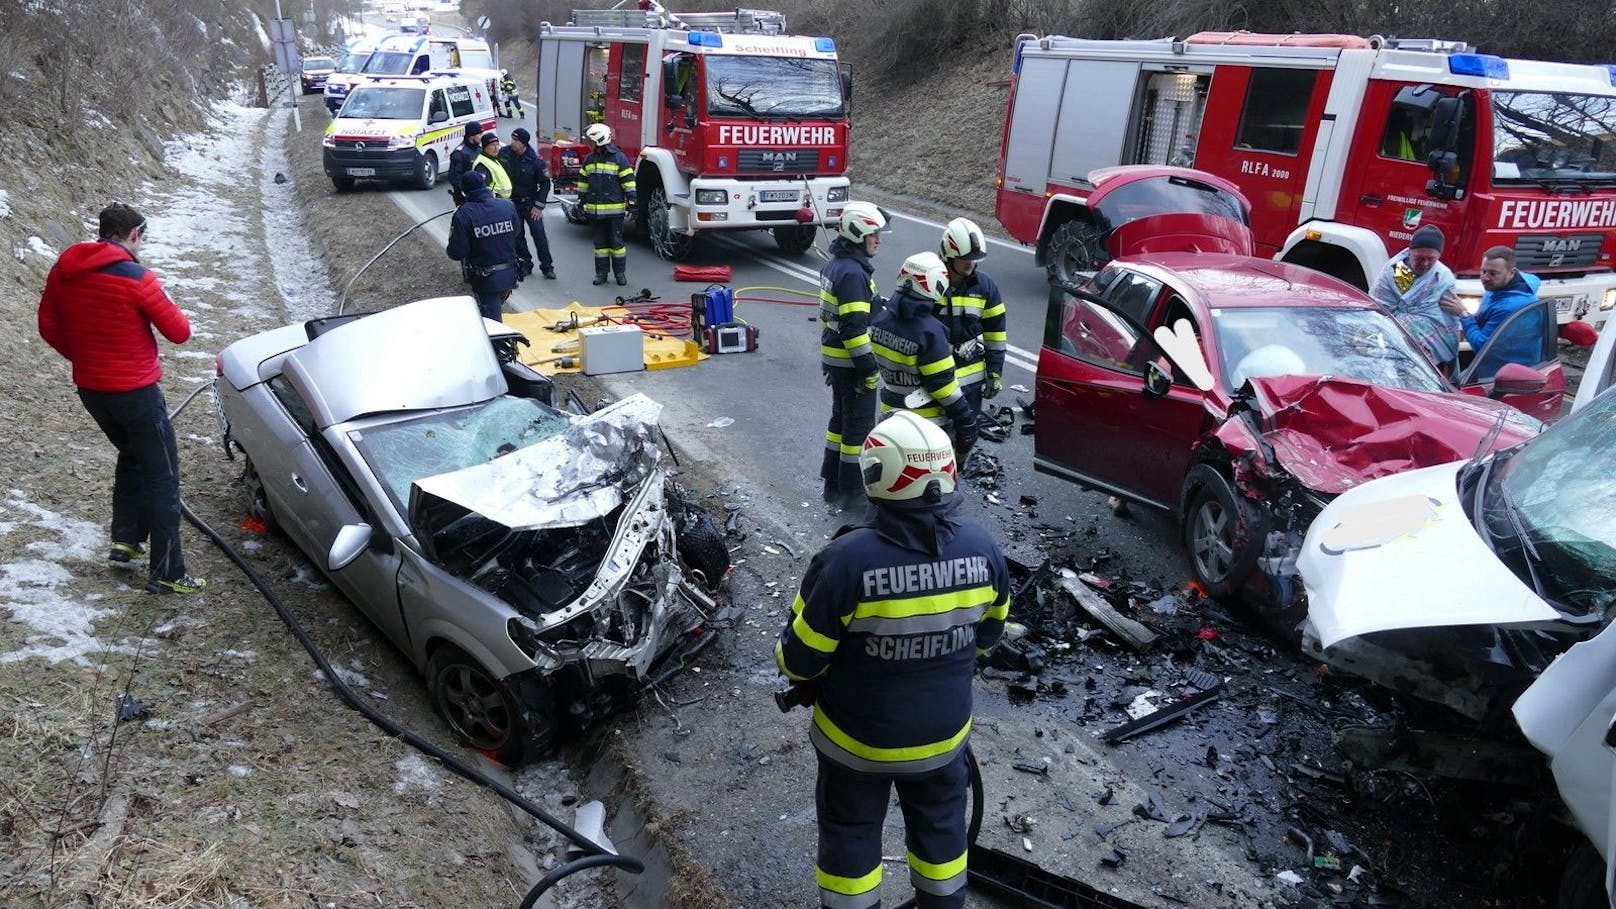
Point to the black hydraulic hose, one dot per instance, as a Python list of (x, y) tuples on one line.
[(342, 302), (595, 850), (973, 773)]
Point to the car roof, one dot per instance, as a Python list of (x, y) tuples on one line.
[(1222, 281)]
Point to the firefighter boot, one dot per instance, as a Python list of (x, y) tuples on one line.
[(620, 269), (600, 270)]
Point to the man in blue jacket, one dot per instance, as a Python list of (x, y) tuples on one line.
[(482, 238), (1508, 290), (882, 641)]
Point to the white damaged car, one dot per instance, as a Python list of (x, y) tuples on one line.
[(1489, 585), (526, 559)]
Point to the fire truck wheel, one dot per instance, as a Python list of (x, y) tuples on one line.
[(668, 244), (1074, 249), (426, 172), (796, 239)]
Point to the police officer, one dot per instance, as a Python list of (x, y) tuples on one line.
[(846, 298), (461, 158), (883, 640), (606, 191), (973, 313), (482, 238), (914, 355), (499, 182), (530, 188)]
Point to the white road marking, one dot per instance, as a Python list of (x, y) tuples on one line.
[(1014, 356), (994, 240)]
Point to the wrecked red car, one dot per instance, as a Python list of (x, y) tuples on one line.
[(1241, 394)]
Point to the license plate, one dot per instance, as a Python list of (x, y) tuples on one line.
[(778, 195), (361, 171)]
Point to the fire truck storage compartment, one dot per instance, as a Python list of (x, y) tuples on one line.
[(1082, 106), (561, 113)]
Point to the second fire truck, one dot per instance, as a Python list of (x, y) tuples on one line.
[(1343, 144), (732, 124)]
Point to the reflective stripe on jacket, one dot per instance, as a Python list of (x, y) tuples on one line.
[(912, 350), (846, 298), (892, 633), (606, 182), (974, 309), (499, 182)]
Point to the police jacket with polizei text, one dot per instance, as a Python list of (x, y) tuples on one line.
[(98, 310), (889, 621), (913, 352), (972, 308), (482, 236), (606, 182), (846, 304), (530, 178)]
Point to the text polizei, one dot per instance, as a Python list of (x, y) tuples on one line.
[(489, 230)]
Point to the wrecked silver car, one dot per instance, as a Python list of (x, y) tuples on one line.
[(525, 558)]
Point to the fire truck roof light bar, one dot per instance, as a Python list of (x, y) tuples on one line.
[(1485, 65), (1612, 70), (825, 45), (706, 39)]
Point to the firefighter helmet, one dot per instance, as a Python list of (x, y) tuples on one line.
[(962, 239), (903, 455), (598, 134), (861, 219), (926, 274)]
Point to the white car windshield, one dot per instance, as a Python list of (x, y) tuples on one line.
[(1566, 511), (385, 103), (1361, 344), (446, 441)]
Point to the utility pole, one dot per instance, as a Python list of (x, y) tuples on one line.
[(287, 58)]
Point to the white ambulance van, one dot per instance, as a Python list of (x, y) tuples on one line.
[(403, 128), (411, 55)]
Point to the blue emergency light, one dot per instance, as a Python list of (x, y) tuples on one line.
[(1612, 71), (1487, 65), (825, 45), (706, 39)]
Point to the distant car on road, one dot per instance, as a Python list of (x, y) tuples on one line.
[(527, 560), (314, 72)]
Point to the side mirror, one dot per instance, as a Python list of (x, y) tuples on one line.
[(847, 89), (351, 540), (674, 102), (1445, 119), (1157, 381), (1516, 379), (438, 116)]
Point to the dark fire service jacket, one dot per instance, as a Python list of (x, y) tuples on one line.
[(973, 309), (889, 621), (846, 298)]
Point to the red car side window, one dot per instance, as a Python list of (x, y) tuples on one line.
[(1092, 334)]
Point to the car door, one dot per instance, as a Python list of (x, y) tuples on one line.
[(1529, 337), (1098, 425)]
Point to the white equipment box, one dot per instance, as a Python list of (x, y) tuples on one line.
[(611, 348)]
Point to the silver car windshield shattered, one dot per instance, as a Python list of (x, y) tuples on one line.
[(575, 475), (447, 441)]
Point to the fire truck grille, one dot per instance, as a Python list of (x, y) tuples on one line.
[(777, 161), (1574, 251)]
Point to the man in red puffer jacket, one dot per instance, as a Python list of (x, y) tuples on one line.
[(98, 310)]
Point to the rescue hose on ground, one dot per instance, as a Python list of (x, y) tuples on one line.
[(342, 302), (596, 855)]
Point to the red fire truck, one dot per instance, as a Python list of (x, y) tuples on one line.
[(732, 123), (1344, 145)]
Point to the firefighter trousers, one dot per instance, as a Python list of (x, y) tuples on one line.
[(609, 248), (852, 807), (852, 416)]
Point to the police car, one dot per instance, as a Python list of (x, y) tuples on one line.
[(403, 128)]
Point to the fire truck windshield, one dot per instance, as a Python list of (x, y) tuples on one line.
[(1544, 137), (773, 87)]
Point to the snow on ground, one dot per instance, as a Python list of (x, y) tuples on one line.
[(298, 271), (35, 589), (5, 204), (416, 772)]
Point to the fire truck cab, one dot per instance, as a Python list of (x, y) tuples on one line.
[(1343, 144), (732, 124)]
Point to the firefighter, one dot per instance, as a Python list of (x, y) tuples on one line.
[(606, 192), (508, 94), (494, 175), (973, 313), (846, 299), (883, 639), (914, 355), (461, 158)]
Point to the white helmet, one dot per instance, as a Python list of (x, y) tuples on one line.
[(962, 239), (598, 133), (903, 455), (926, 274), (860, 219)]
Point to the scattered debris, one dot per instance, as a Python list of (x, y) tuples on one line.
[(131, 709), (1130, 632), (1162, 717), (1289, 877)]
